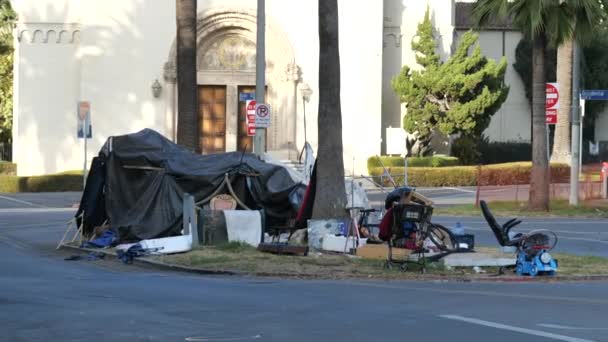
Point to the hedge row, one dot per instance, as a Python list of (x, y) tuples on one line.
[(432, 161), (497, 174), (8, 168), (48, 183)]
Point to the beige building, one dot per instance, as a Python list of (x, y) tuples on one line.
[(111, 53)]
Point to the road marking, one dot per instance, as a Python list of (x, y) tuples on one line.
[(209, 339), (12, 243), (515, 329), (566, 327), (22, 202)]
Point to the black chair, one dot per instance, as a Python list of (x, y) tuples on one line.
[(501, 232)]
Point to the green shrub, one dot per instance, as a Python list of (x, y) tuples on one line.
[(497, 174), (504, 152), (431, 161), (466, 149), (47, 183), (8, 168)]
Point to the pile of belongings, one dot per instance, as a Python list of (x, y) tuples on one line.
[(138, 181)]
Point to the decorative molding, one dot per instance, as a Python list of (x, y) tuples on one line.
[(47, 33), (394, 38)]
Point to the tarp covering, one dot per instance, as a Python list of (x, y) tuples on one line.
[(146, 176)]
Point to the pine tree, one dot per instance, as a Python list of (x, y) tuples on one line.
[(458, 96)]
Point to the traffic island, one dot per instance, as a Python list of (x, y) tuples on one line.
[(242, 260)]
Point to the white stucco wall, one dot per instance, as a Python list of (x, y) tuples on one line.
[(122, 49), (512, 121)]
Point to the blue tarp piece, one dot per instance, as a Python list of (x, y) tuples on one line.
[(105, 240)]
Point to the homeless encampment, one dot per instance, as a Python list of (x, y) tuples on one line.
[(137, 183)]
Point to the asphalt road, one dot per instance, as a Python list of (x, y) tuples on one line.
[(45, 298)]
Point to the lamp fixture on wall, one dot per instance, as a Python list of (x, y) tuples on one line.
[(156, 88), (306, 93)]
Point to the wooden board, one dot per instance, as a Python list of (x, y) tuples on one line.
[(380, 252)]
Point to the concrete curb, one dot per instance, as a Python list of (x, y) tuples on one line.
[(420, 278)]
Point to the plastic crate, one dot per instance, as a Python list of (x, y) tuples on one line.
[(468, 239)]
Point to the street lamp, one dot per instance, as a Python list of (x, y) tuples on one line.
[(306, 93)]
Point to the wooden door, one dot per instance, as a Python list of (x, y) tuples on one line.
[(212, 118), (245, 142)]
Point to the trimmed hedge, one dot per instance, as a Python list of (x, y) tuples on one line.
[(432, 161), (8, 168), (68, 181), (497, 174)]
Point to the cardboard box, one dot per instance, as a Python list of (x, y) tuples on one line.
[(380, 252)]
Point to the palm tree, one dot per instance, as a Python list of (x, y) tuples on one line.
[(545, 22), (330, 199), (187, 94), (588, 15), (561, 141)]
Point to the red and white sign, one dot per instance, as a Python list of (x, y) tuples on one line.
[(552, 103), (250, 114), (262, 115)]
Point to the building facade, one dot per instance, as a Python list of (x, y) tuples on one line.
[(111, 53)]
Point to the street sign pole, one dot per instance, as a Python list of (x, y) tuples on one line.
[(84, 169), (259, 144), (576, 122)]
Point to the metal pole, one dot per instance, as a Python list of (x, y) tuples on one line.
[(548, 131), (580, 145), (259, 143), (574, 162), (304, 104), (84, 168)]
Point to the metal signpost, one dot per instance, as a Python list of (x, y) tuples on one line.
[(259, 145), (84, 131)]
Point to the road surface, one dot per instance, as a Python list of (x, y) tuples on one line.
[(45, 298)]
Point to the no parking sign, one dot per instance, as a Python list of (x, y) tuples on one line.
[(262, 115)]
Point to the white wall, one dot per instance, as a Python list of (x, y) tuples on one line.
[(512, 121), (122, 49)]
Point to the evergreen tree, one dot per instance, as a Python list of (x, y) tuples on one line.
[(458, 96)]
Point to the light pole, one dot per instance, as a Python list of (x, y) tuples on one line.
[(259, 143), (306, 93)]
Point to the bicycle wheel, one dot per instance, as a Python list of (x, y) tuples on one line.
[(442, 237)]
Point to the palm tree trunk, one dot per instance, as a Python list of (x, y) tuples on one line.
[(561, 145), (539, 179), (330, 199), (187, 93)]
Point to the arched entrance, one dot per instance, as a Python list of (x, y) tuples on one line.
[(226, 79)]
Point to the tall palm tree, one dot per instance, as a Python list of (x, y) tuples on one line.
[(588, 15), (187, 92), (330, 198), (561, 140), (545, 22)]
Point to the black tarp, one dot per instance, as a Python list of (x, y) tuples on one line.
[(146, 176)]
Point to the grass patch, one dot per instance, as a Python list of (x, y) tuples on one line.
[(333, 266), (559, 208), (580, 265)]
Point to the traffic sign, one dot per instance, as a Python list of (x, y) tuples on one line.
[(594, 95), (551, 103), (250, 117), (262, 115), (84, 120)]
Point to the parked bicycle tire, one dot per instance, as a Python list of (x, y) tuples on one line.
[(442, 237)]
